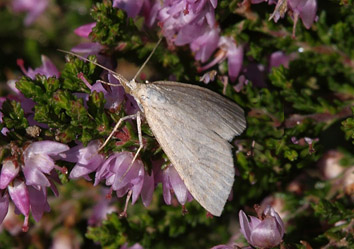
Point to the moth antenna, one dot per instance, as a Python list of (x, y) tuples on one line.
[(107, 83), (117, 75), (147, 59)]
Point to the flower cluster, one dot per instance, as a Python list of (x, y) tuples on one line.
[(124, 176), (193, 23), (303, 9), (34, 9), (30, 170), (25, 179), (190, 23)]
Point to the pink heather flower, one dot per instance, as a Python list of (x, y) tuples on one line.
[(85, 30), (92, 48), (242, 81), (233, 53), (305, 9), (193, 23), (87, 48), (4, 205), (9, 171), (116, 174), (26, 103), (38, 162), (131, 7), (149, 9), (101, 209), (294, 140), (266, 232), (20, 196), (26, 198), (205, 45), (34, 8), (135, 246), (222, 247), (38, 202), (234, 56), (171, 181), (47, 69), (31, 194), (87, 159), (279, 58), (114, 96)]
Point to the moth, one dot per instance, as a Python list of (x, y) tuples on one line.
[(193, 126)]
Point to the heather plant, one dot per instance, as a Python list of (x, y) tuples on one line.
[(288, 63)]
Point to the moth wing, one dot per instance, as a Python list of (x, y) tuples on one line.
[(215, 111), (192, 125)]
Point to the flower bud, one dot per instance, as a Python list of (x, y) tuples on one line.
[(266, 232)]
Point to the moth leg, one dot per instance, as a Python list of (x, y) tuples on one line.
[(138, 122), (117, 126), (124, 213)]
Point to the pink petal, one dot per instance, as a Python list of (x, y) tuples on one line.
[(81, 170), (46, 147), (137, 187), (279, 58), (308, 13), (166, 187), (222, 247), (266, 234), (19, 195), (121, 166), (235, 60), (270, 211), (103, 171), (254, 222), (8, 172), (178, 186), (245, 225), (39, 162), (4, 206), (148, 189), (214, 3), (205, 45), (49, 68), (38, 201), (87, 48), (35, 177), (85, 30), (131, 7)]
